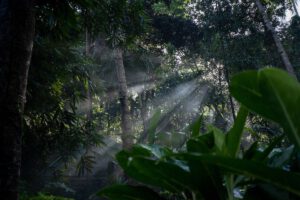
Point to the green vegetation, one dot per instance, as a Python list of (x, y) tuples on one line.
[(212, 166)]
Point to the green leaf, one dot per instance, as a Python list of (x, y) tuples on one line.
[(280, 158), (196, 126), (201, 144), (169, 176), (219, 138), (126, 192), (252, 151), (206, 177), (282, 179), (141, 150), (233, 138), (152, 126), (273, 94), (156, 151), (85, 165), (264, 155)]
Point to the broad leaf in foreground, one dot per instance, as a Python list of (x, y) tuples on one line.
[(161, 174), (288, 181), (273, 94)]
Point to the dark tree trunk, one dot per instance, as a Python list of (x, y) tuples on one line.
[(16, 41), (127, 137)]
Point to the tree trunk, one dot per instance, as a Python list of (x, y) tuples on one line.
[(127, 137), (89, 90), (16, 41), (230, 97), (284, 57), (87, 42), (90, 103), (295, 7), (143, 107)]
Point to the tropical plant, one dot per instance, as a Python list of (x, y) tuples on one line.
[(213, 165)]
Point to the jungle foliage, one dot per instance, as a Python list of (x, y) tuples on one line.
[(213, 166)]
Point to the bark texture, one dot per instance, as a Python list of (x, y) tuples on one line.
[(127, 137), (284, 57), (16, 42)]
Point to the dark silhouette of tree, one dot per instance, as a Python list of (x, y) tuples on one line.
[(16, 42)]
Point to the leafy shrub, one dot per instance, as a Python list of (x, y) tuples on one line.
[(213, 167)]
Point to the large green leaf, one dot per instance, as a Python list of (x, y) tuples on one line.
[(126, 192), (282, 179), (273, 94), (233, 138), (166, 175)]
